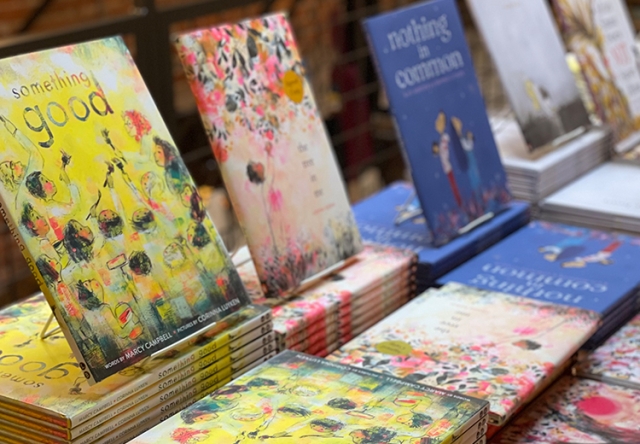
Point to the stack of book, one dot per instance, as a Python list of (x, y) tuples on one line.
[(617, 361), (331, 312), (492, 346), (547, 143), (460, 203), (380, 219), (578, 410), (600, 199), (273, 151), (152, 314), (45, 397), (533, 176), (600, 405), (299, 398), (611, 80), (564, 265)]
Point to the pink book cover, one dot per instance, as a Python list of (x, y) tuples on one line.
[(578, 411), (618, 359), (274, 154), (483, 344)]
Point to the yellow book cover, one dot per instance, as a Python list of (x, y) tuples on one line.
[(104, 209), (40, 378), (297, 398)]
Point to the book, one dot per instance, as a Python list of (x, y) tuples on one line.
[(534, 72), (342, 330), (558, 263), (376, 305), (427, 73), (382, 220), (300, 398), (453, 338), (272, 148), (183, 391), (601, 35), (125, 431), (599, 199), (533, 177), (43, 382), (204, 375), (617, 361), (578, 410), (370, 270), (104, 209)]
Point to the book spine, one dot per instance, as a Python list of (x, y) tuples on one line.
[(28, 425), (302, 326), (474, 428), (158, 375), (31, 264), (156, 416), (20, 410), (253, 356), (257, 344), (298, 324), (358, 329), (254, 364), (26, 433), (257, 333), (475, 433), (318, 329), (220, 369), (134, 431), (162, 372), (205, 378), (156, 405), (380, 304), (8, 438), (203, 369), (140, 425)]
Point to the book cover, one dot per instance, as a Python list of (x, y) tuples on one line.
[(600, 33), (578, 411), (603, 192), (451, 338), (42, 380), (427, 72), (377, 215), (618, 359), (108, 217), (148, 414), (206, 378), (204, 373), (533, 71), (304, 399), (272, 148), (558, 263)]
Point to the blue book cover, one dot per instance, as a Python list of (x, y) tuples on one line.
[(558, 263), (426, 69), (377, 216)]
